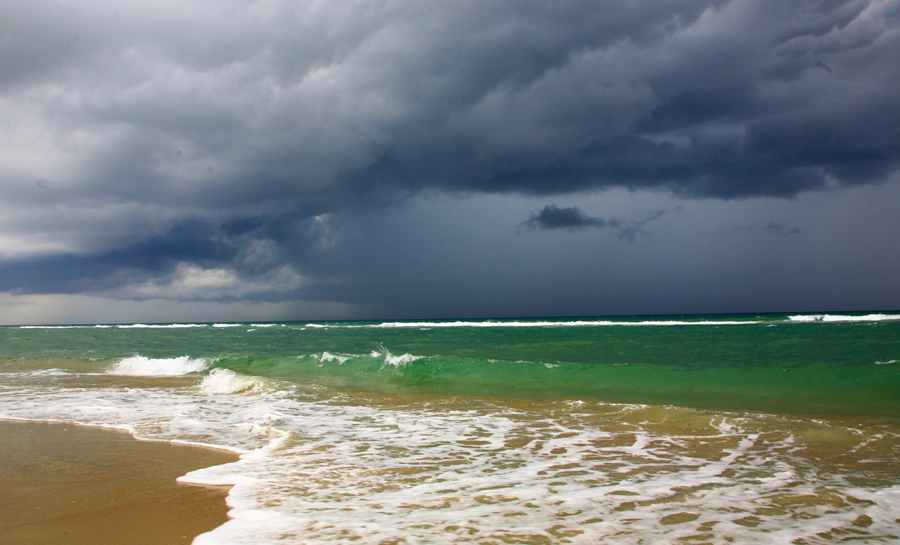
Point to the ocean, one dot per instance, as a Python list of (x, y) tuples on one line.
[(675, 429)]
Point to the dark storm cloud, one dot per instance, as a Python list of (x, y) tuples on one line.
[(268, 126), (552, 217)]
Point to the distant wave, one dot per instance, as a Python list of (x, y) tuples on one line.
[(60, 326), (843, 318), (103, 326), (158, 326), (559, 323)]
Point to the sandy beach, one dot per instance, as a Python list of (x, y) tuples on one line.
[(82, 485)]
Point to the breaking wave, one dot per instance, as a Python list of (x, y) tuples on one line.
[(141, 366), (843, 318), (226, 381)]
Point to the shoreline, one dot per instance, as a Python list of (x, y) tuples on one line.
[(66, 483)]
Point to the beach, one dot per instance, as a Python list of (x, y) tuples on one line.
[(65, 483), (712, 429)]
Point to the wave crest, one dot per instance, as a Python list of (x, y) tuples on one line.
[(226, 381), (141, 366), (391, 359), (843, 318), (328, 356)]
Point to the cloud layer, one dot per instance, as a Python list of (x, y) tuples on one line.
[(222, 149)]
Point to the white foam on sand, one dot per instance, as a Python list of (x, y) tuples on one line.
[(322, 468)]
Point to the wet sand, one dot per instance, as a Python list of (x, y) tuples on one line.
[(77, 485)]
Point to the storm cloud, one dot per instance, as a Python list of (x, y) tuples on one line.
[(573, 219), (553, 217), (229, 149)]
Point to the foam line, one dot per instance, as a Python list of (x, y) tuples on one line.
[(843, 318), (561, 323)]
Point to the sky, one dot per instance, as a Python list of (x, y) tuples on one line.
[(250, 160)]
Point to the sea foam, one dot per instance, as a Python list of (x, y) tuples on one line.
[(843, 318), (365, 469), (164, 367), (159, 326), (391, 359), (328, 356), (555, 323), (226, 381)]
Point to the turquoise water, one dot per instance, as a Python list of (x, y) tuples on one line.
[(710, 429), (764, 363)]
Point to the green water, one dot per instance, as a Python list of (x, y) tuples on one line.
[(758, 363)]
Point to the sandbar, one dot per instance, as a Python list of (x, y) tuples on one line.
[(64, 483)]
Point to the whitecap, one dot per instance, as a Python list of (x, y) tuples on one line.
[(556, 323), (226, 381), (158, 326), (398, 361), (162, 367), (328, 356), (53, 326), (843, 318)]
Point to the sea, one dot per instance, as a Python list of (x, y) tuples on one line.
[(771, 428)]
